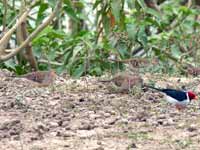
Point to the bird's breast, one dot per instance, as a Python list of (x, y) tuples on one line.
[(175, 101)]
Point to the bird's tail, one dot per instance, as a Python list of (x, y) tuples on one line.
[(151, 87)]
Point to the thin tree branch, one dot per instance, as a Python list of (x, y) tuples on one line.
[(33, 34), (51, 62), (29, 51), (5, 39), (19, 37)]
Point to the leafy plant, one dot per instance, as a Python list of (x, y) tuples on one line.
[(124, 27)]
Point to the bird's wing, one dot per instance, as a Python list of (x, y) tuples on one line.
[(178, 95)]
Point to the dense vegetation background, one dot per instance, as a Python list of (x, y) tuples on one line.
[(78, 36)]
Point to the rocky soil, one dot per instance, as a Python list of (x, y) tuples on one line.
[(80, 114)]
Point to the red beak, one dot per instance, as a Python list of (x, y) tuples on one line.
[(196, 97)]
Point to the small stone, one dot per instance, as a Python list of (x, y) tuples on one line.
[(66, 145), (81, 100), (60, 123), (181, 125), (160, 122), (107, 114), (90, 112), (95, 116), (41, 126), (111, 121), (106, 126), (12, 104), (99, 148), (86, 127), (125, 121), (14, 132), (34, 138), (125, 131), (53, 133), (58, 133), (162, 117), (64, 133), (142, 116), (54, 115), (133, 145), (112, 112), (67, 134), (67, 128), (170, 120), (53, 124), (192, 128), (17, 138), (4, 126), (99, 142), (85, 134), (151, 98)]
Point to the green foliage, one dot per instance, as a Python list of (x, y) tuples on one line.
[(79, 54), (172, 35), (42, 8)]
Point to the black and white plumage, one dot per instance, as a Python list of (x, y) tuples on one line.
[(177, 97)]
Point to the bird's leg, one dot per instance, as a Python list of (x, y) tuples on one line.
[(180, 107)]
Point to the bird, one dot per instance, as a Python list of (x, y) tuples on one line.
[(43, 78), (125, 81), (179, 98), (193, 71)]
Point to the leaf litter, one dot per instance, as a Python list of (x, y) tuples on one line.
[(80, 114)]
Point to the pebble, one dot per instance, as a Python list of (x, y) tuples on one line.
[(87, 127), (132, 145), (95, 116), (192, 128), (181, 125), (107, 115), (170, 121), (99, 143), (99, 148), (53, 124), (112, 112), (67, 134), (111, 121), (124, 120), (106, 126)]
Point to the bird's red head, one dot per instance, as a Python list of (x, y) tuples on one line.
[(192, 96)]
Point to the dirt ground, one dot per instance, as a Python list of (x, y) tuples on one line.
[(80, 114)]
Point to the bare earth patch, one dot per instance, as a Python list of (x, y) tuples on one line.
[(80, 114)]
